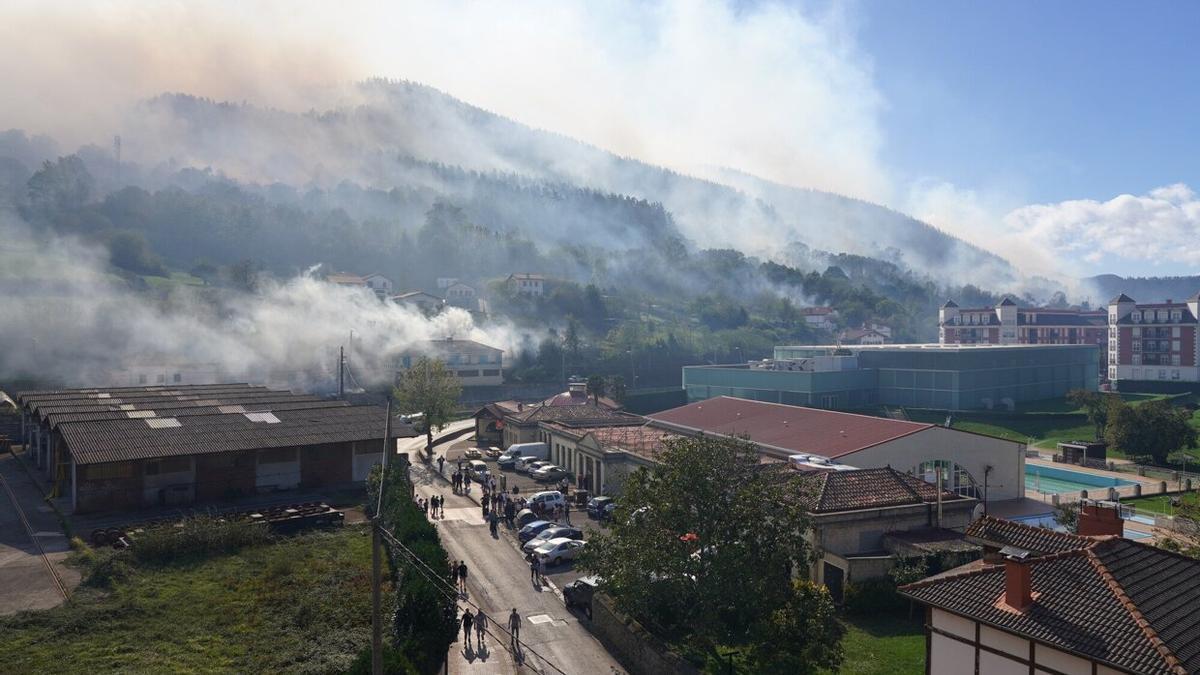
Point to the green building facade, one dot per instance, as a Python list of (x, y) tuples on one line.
[(950, 377)]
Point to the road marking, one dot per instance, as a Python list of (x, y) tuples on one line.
[(540, 619)]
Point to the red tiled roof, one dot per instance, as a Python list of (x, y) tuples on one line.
[(792, 429), (644, 441), (836, 491), (1112, 600), (999, 532)]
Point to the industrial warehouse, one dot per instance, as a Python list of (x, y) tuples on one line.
[(127, 448)]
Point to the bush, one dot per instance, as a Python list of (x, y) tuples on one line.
[(872, 596), (197, 538)]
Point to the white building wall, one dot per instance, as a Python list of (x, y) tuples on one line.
[(950, 657), (279, 475), (973, 452), (1061, 662), (995, 664)]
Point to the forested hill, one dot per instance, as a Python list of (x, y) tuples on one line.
[(1143, 289), (399, 130)]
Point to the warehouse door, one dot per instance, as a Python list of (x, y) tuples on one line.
[(366, 455), (277, 470)]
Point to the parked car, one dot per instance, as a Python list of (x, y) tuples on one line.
[(579, 593), (551, 533), (601, 506), (479, 470), (556, 551), (523, 464), (550, 473), (473, 453), (548, 499), (525, 517), (492, 452), (508, 462), (532, 530), (533, 467)]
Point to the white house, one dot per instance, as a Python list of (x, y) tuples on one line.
[(476, 364), (525, 283), (379, 283), (426, 302), (821, 318), (461, 295)]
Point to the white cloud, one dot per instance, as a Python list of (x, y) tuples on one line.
[(1159, 227)]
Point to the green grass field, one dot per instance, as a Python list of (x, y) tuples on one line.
[(884, 645), (302, 604), (1158, 503)]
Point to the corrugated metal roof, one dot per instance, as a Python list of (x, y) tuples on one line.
[(179, 408), (47, 413), (74, 393), (129, 439), (37, 404)]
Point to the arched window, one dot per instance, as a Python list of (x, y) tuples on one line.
[(954, 477)]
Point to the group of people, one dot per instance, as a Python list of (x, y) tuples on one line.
[(478, 621), (432, 507)]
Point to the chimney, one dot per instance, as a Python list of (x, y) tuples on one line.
[(1018, 585), (1097, 518)]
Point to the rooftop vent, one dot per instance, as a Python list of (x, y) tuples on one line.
[(163, 423)]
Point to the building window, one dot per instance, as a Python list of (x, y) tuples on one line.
[(1112, 373), (1174, 374), (1136, 316), (142, 379), (1162, 374), (1137, 359), (178, 377)]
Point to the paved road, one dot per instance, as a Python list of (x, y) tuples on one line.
[(499, 581), (25, 581)]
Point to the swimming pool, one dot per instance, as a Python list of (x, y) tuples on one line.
[(1047, 521), (1052, 480)]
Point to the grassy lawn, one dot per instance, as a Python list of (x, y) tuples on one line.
[(1158, 503), (884, 645), (301, 604)]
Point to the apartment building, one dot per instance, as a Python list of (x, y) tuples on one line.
[(1153, 344)]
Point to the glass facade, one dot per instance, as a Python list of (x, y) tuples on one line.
[(943, 378)]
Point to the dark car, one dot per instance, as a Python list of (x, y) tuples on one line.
[(533, 529), (601, 506), (579, 593)]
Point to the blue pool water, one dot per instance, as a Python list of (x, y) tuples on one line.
[(1052, 480)]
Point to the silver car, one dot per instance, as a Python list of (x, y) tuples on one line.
[(555, 551)]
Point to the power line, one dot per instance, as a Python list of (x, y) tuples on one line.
[(453, 593)]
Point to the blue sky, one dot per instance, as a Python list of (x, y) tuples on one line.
[(1063, 99)]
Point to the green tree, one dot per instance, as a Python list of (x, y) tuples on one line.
[(59, 186), (129, 251), (596, 386), (571, 339), (1095, 404), (803, 636), (616, 388), (1153, 429), (703, 549), (431, 389)]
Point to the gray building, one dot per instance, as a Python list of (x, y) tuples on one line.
[(950, 377)]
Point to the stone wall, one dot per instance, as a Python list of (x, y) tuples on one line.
[(640, 652)]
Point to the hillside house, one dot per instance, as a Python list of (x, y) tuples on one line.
[(524, 283)]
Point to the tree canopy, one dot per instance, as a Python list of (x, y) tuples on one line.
[(1153, 429), (431, 389), (704, 548)]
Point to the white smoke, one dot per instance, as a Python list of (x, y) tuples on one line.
[(67, 317)]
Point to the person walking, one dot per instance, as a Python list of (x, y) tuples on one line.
[(514, 627), (567, 512), (462, 575), (493, 521), (535, 569), (441, 462), (467, 620), (481, 626)]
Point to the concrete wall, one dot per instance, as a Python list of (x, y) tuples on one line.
[(973, 452), (638, 651)]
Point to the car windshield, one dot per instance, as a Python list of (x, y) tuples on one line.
[(536, 524)]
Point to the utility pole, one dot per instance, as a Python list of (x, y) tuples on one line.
[(341, 372), (376, 557)]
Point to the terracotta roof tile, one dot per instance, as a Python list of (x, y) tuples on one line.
[(1116, 601), (792, 429), (835, 491), (999, 532)]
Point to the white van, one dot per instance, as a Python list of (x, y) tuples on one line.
[(478, 469), (516, 451)]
